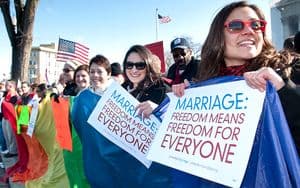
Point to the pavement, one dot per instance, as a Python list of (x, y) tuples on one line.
[(8, 162), (2, 185)]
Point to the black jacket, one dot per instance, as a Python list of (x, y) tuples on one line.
[(189, 73), (290, 100), (70, 89), (156, 92)]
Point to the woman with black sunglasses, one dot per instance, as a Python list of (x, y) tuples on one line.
[(148, 88), (141, 80), (106, 164)]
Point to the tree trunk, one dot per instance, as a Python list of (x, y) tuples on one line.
[(16, 63), (20, 59), (20, 35)]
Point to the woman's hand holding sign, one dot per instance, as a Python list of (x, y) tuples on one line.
[(146, 108), (258, 79), (178, 89)]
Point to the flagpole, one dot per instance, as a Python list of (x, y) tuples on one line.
[(156, 22)]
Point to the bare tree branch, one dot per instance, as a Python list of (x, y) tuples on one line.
[(19, 12), (29, 14), (7, 19), (21, 38)]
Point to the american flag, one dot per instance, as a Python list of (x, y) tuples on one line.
[(163, 19), (69, 50)]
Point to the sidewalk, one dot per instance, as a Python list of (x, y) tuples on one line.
[(8, 162), (2, 185)]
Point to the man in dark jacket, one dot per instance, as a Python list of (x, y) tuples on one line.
[(295, 75), (68, 74), (185, 66)]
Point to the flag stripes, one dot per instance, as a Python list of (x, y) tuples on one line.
[(163, 19), (69, 50)]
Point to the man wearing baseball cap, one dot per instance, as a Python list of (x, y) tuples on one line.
[(185, 66)]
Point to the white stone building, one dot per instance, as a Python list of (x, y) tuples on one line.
[(43, 67), (285, 19)]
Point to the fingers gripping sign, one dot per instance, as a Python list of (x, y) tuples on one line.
[(178, 89), (258, 79), (146, 108)]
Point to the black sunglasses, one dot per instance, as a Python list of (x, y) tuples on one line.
[(67, 70), (137, 65), (236, 26)]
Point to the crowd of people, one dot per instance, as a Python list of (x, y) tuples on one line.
[(236, 45)]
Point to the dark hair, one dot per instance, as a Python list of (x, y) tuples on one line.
[(288, 43), (33, 86), (42, 87), (297, 42), (146, 56), (116, 69), (81, 67), (41, 91), (101, 61), (212, 54), (25, 82)]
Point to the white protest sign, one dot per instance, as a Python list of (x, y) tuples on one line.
[(116, 118), (1, 101), (209, 132), (33, 116)]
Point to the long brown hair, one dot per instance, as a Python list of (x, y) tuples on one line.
[(212, 54), (146, 55)]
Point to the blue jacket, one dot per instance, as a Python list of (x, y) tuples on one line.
[(106, 164)]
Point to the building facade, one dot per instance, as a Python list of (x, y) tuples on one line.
[(43, 67), (285, 19)]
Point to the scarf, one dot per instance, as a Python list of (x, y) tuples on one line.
[(237, 70)]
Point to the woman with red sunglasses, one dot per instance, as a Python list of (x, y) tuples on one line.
[(242, 49), (237, 45)]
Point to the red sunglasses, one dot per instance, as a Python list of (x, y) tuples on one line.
[(236, 26)]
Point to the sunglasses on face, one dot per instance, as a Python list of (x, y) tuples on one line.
[(67, 70), (236, 26), (177, 55), (137, 65)]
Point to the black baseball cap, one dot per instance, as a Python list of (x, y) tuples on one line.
[(180, 43)]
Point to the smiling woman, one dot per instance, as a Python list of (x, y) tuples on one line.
[(119, 168), (237, 45), (241, 48), (141, 80), (100, 74), (81, 77)]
